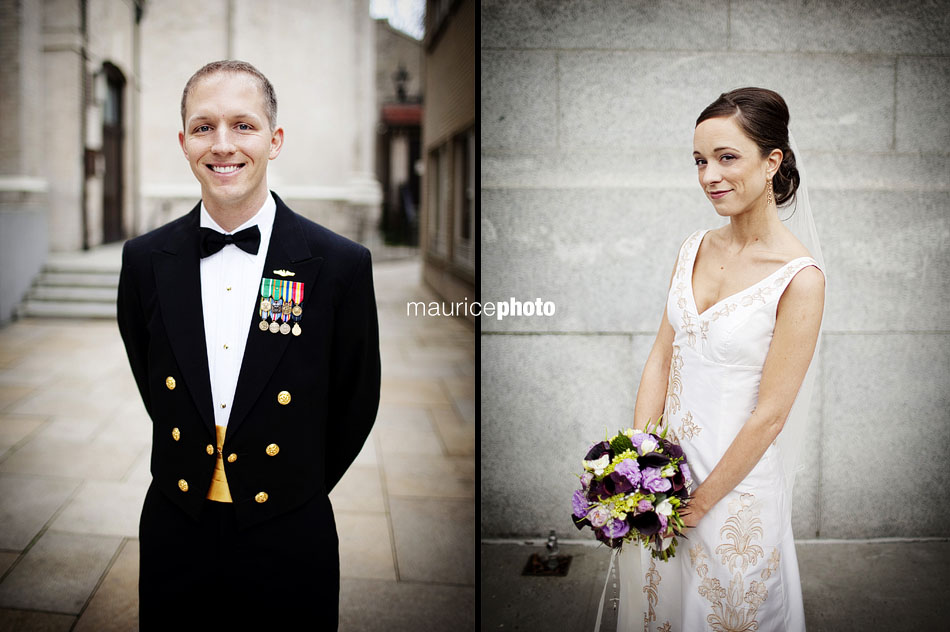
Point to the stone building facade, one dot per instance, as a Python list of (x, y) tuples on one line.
[(67, 180), (447, 233), (589, 187)]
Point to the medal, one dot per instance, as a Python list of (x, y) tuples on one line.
[(267, 290), (286, 309), (296, 330), (285, 329), (274, 327), (297, 310)]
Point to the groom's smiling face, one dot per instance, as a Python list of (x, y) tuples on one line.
[(228, 140)]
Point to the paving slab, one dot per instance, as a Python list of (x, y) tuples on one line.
[(115, 606), (19, 620), (28, 504), (59, 573), (104, 508), (445, 552), (366, 550), (378, 606)]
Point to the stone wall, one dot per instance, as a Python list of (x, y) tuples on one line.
[(588, 188)]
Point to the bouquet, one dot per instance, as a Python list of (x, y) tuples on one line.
[(634, 488)]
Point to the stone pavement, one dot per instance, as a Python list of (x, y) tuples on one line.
[(847, 586), (74, 450)]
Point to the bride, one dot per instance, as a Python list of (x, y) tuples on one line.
[(738, 335)]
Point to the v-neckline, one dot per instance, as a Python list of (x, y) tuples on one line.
[(692, 270)]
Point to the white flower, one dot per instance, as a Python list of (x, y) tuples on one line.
[(664, 507), (598, 465), (649, 445), (668, 471), (598, 516), (630, 432)]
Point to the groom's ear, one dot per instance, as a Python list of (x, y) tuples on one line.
[(181, 142), (276, 142)]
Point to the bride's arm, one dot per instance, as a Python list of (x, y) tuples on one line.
[(651, 394), (797, 322)]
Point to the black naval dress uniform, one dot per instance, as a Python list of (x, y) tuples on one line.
[(303, 407)]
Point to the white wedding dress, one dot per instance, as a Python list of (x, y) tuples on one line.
[(737, 570)]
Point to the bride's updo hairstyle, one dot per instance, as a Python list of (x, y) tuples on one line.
[(763, 116)]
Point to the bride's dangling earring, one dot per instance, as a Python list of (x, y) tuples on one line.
[(768, 185)]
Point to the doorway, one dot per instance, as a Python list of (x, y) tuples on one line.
[(112, 144)]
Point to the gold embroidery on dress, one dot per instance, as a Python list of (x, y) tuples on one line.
[(773, 564), (682, 268), (689, 327), (675, 385), (741, 529), (689, 428), (735, 609), (653, 581), (665, 627)]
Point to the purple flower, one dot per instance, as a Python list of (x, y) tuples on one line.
[(647, 523), (598, 450), (644, 505), (663, 522), (686, 473), (672, 449), (598, 516), (628, 468), (616, 528), (586, 478), (579, 503), (653, 482), (617, 484)]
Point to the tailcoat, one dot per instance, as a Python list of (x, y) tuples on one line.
[(272, 554)]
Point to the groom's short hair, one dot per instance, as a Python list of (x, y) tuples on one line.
[(235, 66)]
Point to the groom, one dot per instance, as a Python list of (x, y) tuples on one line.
[(252, 336)]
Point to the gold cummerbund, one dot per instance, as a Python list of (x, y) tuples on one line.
[(219, 482)]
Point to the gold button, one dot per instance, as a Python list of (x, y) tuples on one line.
[(225, 346), (261, 497), (283, 398), (232, 457), (183, 485), (209, 449), (223, 405), (170, 383), (176, 434), (272, 449)]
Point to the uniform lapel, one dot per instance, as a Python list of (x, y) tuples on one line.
[(178, 280), (288, 250)]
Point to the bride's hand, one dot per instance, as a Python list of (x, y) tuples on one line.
[(693, 512), (691, 516)]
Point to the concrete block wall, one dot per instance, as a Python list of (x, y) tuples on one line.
[(588, 188)]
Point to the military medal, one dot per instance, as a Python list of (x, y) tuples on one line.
[(281, 305), (267, 288)]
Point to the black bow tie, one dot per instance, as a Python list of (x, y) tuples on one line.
[(248, 240)]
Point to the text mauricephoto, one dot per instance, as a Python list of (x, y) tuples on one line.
[(528, 315)]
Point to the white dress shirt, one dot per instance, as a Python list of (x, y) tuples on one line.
[(230, 289)]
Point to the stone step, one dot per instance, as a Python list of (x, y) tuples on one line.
[(90, 266), (65, 309), (81, 279), (70, 293)]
